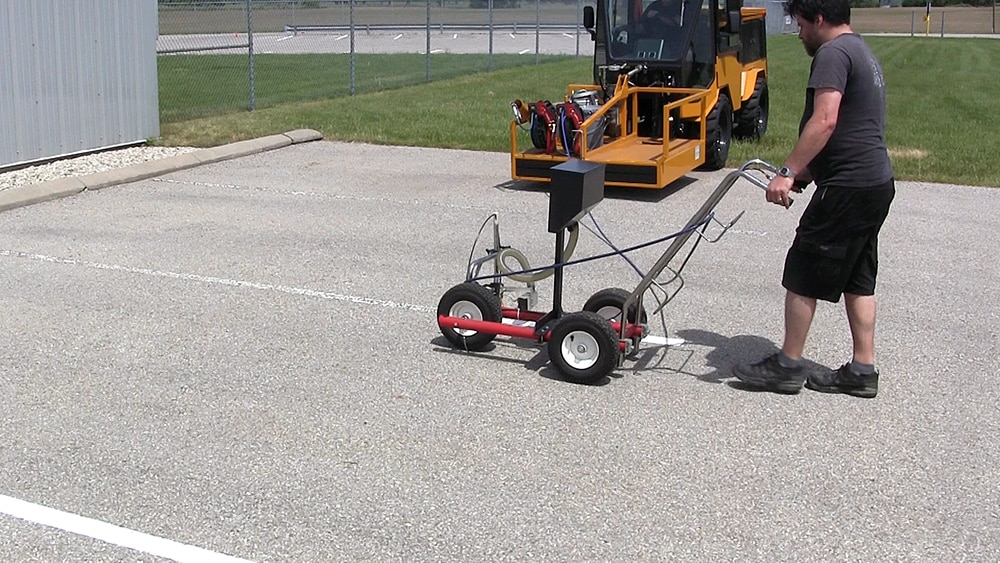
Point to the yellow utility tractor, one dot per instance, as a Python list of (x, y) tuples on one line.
[(674, 81)]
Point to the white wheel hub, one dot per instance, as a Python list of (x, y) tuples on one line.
[(580, 350), (610, 312), (465, 310)]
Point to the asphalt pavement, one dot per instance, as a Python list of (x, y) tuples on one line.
[(241, 356)]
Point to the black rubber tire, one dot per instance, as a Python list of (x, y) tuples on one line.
[(719, 130), (583, 347), (751, 119), (613, 298), (473, 301), (537, 132)]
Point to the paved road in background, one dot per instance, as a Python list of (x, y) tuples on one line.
[(243, 357), (522, 42)]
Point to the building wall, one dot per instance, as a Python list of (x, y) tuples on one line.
[(777, 22), (75, 76)]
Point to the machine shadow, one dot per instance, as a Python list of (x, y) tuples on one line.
[(539, 363), (610, 192)]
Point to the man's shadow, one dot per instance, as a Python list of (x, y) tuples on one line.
[(726, 352)]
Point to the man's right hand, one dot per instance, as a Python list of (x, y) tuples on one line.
[(778, 190)]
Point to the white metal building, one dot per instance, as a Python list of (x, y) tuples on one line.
[(76, 76)]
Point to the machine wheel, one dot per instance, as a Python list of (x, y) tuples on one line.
[(469, 301), (608, 304), (583, 347), (719, 130), (751, 120)]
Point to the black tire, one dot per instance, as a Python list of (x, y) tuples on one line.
[(751, 120), (537, 132), (608, 304), (719, 130), (583, 347), (471, 301)]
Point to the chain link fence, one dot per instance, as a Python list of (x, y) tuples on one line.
[(218, 56), (230, 55)]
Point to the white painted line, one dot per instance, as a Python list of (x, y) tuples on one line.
[(658, 340), (339, 37), (512, 36), (222, 281), (397, 37), (433, 51), (280, 39), (523, 51), (109, 533), (567, 35)]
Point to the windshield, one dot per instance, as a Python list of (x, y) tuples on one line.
[(651, 30)]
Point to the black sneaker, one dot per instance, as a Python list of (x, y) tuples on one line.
[(845, 381), (770, 375)]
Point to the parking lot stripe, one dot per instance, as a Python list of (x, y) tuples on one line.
[(221, 281), (109, 533)]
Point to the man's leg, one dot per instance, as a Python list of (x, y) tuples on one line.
[(857, 377), (861, 317), (799, 311), (778, 373)]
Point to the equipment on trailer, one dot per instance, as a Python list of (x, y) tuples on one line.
[(588, 345), (674, 81)]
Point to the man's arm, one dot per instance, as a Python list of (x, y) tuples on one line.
[(815, 135)]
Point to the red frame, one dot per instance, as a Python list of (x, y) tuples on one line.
[(446, 322)]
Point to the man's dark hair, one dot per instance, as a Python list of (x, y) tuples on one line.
[(835, 12)]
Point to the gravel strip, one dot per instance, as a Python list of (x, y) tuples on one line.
[(88, 164)]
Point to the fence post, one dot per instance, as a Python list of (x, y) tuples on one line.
[(351, 10), (253, 97), (913, 21), (428, 53), (579, 8), (489, 61), (942, 23), (537, 21)]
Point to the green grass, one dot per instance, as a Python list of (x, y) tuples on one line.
[(943, 114), (194, 86)]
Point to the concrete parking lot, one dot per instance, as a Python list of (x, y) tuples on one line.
[(242, 358)]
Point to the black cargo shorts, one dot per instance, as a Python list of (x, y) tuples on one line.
[(835, 250)]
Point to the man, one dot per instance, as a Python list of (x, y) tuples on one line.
[(842, 149), (661, 17)]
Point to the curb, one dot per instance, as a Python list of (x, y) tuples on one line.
[(63, 187)]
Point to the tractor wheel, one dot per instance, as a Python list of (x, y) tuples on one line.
[(608, 304), (719, 130), (469, 301), (583, 347), (751, 120)]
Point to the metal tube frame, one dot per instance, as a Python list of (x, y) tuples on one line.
[(704, 213)]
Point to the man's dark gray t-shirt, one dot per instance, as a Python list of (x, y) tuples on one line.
[(856, 155)]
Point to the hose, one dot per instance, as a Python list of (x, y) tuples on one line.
[(518, 275)]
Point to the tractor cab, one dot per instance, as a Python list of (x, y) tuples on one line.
[(677, 41)]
